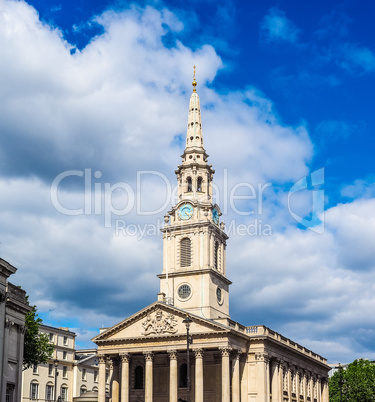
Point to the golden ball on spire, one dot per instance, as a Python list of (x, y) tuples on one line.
[(194, 82)]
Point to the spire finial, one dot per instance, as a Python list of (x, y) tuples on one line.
[(194, 82)]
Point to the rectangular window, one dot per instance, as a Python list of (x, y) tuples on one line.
[(83, 374), (65, 372), (9, 393), (65, 354), (50, 369), (95, 376), (106, 377), (65, 340), (35, 369), (34, 391), (49, 392), (51, 337)]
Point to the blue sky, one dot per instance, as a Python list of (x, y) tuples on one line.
[(100, 89)]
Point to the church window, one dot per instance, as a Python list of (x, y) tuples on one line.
[(185, 252), (189, 184), (216, 255), (184, 291), (183, 376), (138, 377), (199, 184)]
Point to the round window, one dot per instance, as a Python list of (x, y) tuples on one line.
[(184, 291), (219, 295)]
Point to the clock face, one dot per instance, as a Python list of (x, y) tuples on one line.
[(215, 216), (185, 212)]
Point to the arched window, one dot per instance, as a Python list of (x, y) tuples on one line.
[(216, 255), (64, 393), (49, 392), (138, 377), (34, 390), (199, 184), (83, 389), (185, 252), (183, 376), (189, 184)]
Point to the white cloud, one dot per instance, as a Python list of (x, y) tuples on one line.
[(277, 27), (117, 107), (355, 58), (360, 189)]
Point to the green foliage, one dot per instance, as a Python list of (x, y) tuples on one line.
[(357, 381), (37, 348)]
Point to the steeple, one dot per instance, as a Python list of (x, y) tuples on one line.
[(194, 137), (194, 158), (194, 266)]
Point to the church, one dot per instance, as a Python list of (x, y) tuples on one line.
[(184, 346)]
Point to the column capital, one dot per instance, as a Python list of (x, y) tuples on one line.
[(198, 353), (262, 357), (125, 357), (113, 361), (149, 356), (236, 354), (173, 354), (102, 358), (225, 351)]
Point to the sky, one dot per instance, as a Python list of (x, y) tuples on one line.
[(94, 102)]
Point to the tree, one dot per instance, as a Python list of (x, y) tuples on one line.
[(37, 348), (357, 383)]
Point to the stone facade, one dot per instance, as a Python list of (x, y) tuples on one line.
[(149, 354), (70, 372), (13, 308)]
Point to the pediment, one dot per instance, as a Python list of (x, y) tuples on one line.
[(157, 320)]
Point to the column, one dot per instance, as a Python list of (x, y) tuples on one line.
[(149, 376), (319, 389), (263, 376), (304, 385), (281, 379), (125, 359), (290, 382), (236, 377), (225, 380), (298, 388), (325, 393), (275, 385), (173, 389), (102, 370), (115, 379), (198, 375)]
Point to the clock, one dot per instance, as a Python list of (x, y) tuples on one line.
[(215, 216), (185, 212)]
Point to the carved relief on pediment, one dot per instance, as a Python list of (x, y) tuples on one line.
[(159, 323)]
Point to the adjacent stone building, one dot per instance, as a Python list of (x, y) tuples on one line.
[(227, 361), (68, 374), (13, 308)]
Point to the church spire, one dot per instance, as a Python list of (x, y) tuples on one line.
[(194, 149)]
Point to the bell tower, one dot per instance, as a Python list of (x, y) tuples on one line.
[(194, 242)]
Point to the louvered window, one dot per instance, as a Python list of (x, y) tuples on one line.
[(185, 252), (216, 255), (189, 184)]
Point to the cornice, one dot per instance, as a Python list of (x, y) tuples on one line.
[(200, 271)]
